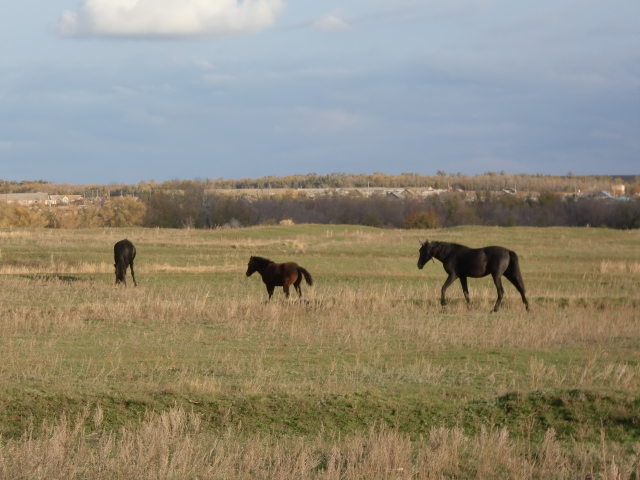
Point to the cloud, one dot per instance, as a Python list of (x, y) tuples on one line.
[(326, 120), (217, 78), (169, 18), (203, 64), (331, 23)]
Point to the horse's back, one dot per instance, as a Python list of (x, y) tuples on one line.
[(124, 250), (281, 273), (497, 252), (479, 262), (288, 268)]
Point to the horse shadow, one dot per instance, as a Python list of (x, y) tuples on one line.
[(69, 279)]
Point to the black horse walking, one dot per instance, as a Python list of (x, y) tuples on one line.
[(279, 274), (123, 254), (462, 262)]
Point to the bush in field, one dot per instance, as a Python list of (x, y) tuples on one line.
[(62, 218), (124, 212), (90, 217), (163, 210), (12, 215), (372, 220), (119, 212), (422, 220), (548, 197)]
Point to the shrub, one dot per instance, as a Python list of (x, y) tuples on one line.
[(371, 220), (12, 215), (422, 220)]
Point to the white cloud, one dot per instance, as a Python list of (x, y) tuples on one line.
[(173, 18), (331, 23)]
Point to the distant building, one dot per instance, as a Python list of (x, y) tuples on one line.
[(603, 195), (63, 199), (618, 190), (25, 198)]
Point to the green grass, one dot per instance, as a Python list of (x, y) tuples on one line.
[(370, 345)]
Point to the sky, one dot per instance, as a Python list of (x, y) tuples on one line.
[(119, 91)]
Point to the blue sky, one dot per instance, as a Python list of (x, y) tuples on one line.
[(111, 91)]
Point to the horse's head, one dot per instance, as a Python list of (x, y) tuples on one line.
[(425, 253), (252, 267)]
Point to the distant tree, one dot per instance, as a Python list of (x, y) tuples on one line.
[(62, 218), (422, 220), (90, 217), (372, 220), (547, 197), (127, 212), (162, 211), (12, 215)]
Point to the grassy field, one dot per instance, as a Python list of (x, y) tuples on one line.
[(193, 375)]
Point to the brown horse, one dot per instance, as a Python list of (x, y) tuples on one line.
[(279, 274)]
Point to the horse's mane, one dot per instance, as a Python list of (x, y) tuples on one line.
[(444, 248), (263, 262)]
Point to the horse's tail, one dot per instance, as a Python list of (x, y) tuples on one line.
[(514, 268), (307, 275)]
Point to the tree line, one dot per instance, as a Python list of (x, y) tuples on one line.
[(492, 181), (195, 208)]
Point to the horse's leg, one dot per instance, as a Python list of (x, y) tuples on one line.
[(135, 284), (517, 282), (465, 290), (270, 289), (500, 288), (450, 279), (285, 287), (297, 283)]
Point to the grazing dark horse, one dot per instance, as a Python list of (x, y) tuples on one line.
[(279, 274), (462, 262), (123, 253)]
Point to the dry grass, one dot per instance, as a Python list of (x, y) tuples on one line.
[(197, 328), (102, 268), (607, 266), (172, 445), (364, 335)]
